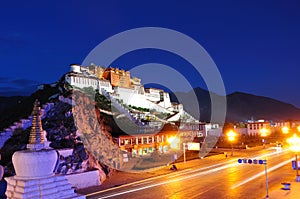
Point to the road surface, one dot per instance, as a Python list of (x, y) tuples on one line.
[(225, 178)]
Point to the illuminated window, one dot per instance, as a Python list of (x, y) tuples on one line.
[(126, 141), (144, 140)]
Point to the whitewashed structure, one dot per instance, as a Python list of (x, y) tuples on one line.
[(135, 94), (34, 169)]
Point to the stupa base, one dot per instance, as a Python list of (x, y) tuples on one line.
[(44, 188)]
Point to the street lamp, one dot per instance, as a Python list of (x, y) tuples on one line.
[(231, 137), (285, 130), (174, 142), (295, 147), (264, 133), (298, 128)]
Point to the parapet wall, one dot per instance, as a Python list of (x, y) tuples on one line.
[(91, 178)]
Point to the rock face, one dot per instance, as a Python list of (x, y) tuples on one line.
[(90, 137), (62, 133), (95, 132)]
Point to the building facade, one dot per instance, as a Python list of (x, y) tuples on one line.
[(256, 127), (129, 91)]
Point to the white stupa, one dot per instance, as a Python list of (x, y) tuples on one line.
[(34, 168)]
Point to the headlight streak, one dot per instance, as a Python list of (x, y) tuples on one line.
[(227, 164)]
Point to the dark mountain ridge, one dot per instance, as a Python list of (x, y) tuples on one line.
[(15, 108), (240, 106)]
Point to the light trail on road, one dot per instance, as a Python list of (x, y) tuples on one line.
[(188, 174), (262, 173)]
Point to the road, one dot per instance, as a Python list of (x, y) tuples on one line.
[(224, 178)]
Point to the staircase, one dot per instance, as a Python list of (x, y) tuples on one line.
[(123, 110)]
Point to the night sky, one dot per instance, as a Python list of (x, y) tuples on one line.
[(255, 44)]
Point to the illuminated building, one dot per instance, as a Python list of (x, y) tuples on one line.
[(118, 84), (255, 127)]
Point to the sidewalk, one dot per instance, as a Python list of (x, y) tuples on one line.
[(293, 193)]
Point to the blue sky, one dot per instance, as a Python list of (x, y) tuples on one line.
[(255, 44)]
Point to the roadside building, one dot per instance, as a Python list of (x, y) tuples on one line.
[(255, 127)]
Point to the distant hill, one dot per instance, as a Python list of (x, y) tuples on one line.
[(8, 102), (15, 108), (240, 106)]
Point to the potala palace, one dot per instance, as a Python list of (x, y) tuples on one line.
[(119, 85)]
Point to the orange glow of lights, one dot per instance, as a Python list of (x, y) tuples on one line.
[(170, 139), (231, 135), (285, 129), (264, 132), (174, 142), (294, 143)]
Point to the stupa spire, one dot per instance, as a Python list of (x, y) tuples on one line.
[(36, 137)]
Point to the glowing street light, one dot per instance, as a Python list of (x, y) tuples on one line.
[(170, 139), (263, 133), (295, 147), (231, 137), (294, 143), (174, 142), (285, 130)]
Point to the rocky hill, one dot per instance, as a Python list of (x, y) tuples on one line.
[(62, 131)]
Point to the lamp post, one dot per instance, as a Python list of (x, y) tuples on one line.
[(295, 147), (231, 137), (264, 133), (285, 131), (174, 144)]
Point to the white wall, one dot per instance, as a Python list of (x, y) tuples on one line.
[(81, 81), (85, 179), (102, 84), (152, 97), (214, 132)]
